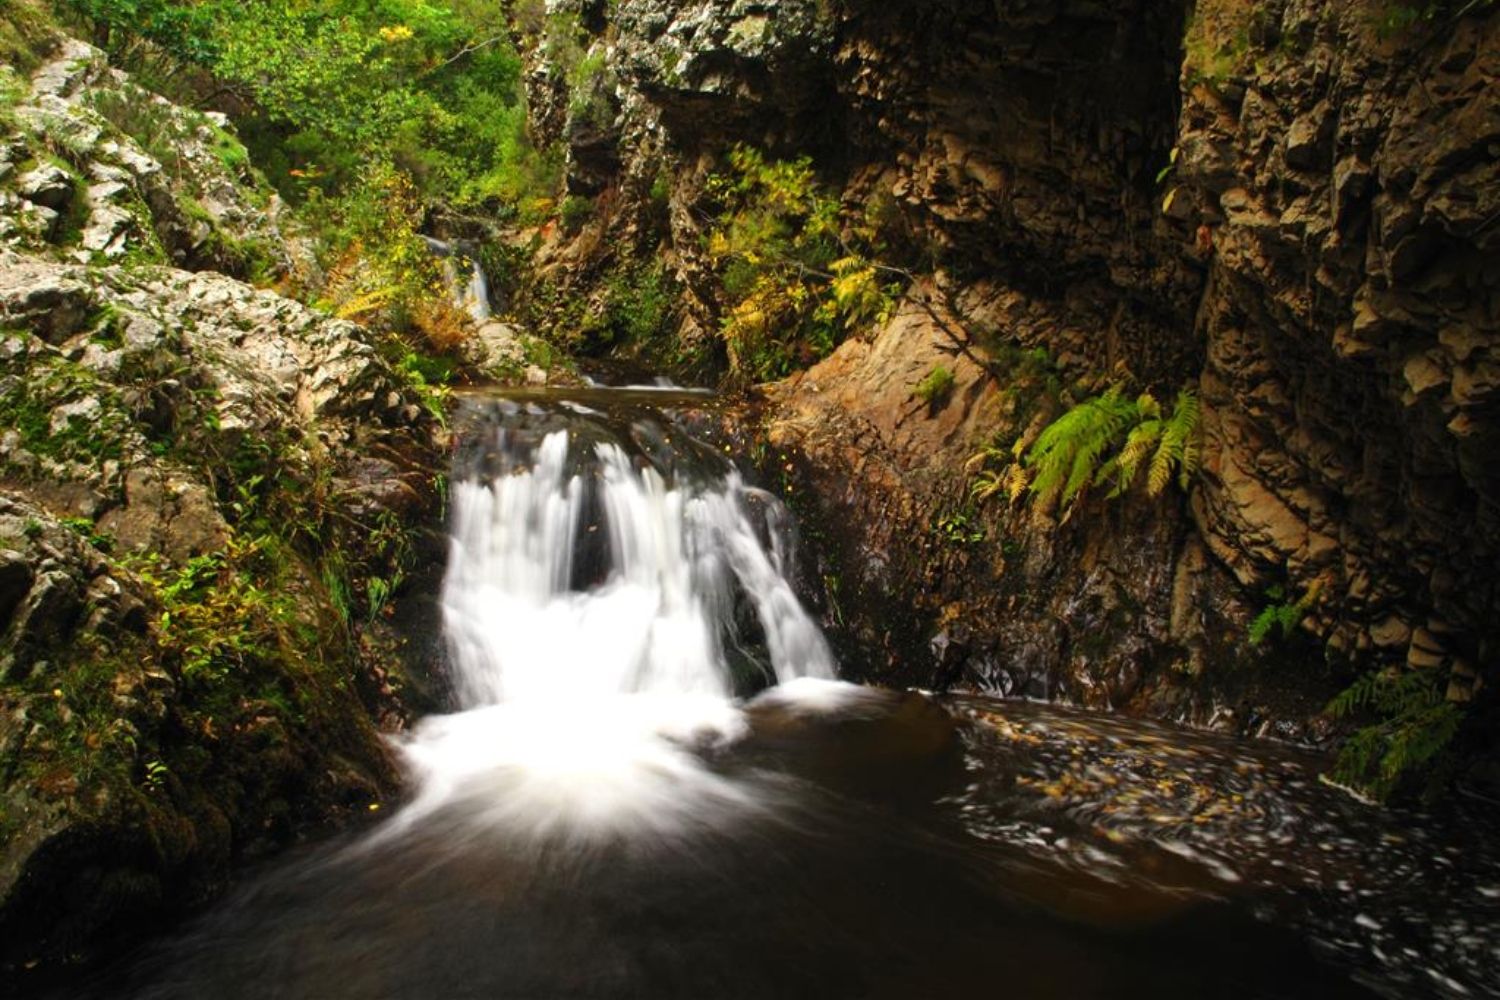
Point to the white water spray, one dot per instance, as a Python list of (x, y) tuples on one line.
[(590, 615)]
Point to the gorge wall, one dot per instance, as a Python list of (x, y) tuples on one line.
[(201, 483), (1290, 207)]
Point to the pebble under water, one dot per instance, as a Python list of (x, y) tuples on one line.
[(652, 786)]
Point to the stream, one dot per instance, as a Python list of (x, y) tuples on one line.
[(653, 785)]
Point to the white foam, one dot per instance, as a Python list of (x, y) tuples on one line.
[(587, 712)]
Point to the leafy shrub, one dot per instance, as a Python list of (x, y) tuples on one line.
[(795, 279), (328, 88), (638, 304)]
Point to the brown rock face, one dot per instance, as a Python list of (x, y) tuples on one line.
[(1351, 184), (1023, 139), (1317, 259)]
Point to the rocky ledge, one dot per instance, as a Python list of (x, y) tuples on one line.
[(208, 495)]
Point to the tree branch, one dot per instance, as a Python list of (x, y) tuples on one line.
[(467, 50)]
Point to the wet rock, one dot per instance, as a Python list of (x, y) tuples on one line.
[(1344, 357), (496, 347), (15, 583), (49, 186)]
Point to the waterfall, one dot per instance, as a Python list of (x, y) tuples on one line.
[(471, 291), (604, 585)]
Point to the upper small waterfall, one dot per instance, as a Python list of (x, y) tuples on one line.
[(468, 286)]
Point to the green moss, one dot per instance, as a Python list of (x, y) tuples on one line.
[(575, 211), (936, 387), (28, 34), (231, 152), (43, 382)]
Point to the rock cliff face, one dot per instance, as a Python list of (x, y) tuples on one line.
[(1290, 209), (195, 475), (1350, 189)]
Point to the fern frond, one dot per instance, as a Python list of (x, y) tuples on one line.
[(989, 453), (1161, 468), (1260, 628), (1356, 697), (1137, 446), (1017, 479), (1177, 449), (987, 484), (1066, 454), (1191, 461)]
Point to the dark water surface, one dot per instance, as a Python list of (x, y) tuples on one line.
[(1034, 852)]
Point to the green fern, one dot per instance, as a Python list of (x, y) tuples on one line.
[(1417, 724), (1179, 450), (1282, 614), (1066, 454), (1070, 454)]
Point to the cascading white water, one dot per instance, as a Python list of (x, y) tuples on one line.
[(651, 626), (589, 693), (471, 291)]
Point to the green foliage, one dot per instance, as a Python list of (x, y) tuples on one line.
[(27, 35), (936, 386), (576, 210), (216, 616), (1164, 446), (588, 103), (327, 88), (41, 384), (1397, 18), (1416, 725), (13, 90), (796, 279), (1104, 440), (186, 31), (380, 271), (1070, 451), (636, 307), (959, 527), (429, 377), (1281, 614), (103, 541), (661, 189)]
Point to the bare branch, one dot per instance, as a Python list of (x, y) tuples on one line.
[(467, 50)]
